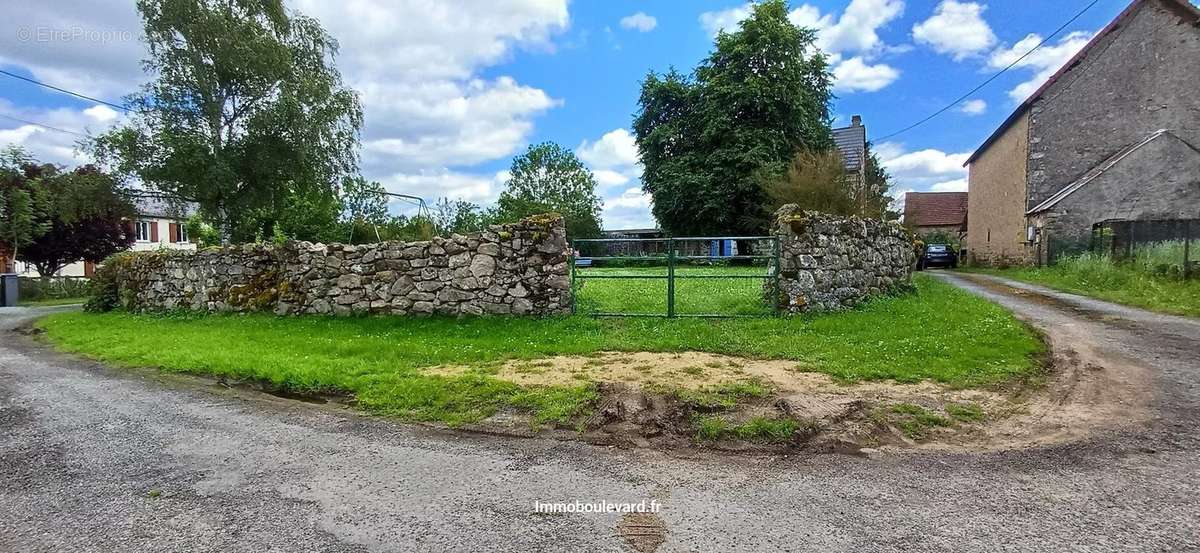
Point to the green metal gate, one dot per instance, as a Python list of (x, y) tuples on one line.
[(603, 273)]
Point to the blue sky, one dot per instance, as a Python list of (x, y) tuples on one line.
[(452, 90)]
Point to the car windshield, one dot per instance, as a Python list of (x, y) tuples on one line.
[(937, 248)]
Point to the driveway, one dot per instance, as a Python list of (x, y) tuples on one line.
[(98, 460)]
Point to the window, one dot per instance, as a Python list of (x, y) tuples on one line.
[(142, 230), (180, 233)]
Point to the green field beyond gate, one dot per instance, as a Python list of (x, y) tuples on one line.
[(676, 277)]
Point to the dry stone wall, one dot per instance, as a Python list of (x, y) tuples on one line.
[(829, 263), (517, 269)]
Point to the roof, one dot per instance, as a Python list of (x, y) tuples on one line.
[(935, 209), (1102, 168), (1186, 8), (851, 142), (152, 205)]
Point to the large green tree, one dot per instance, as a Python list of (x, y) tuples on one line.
[(247, 116), (549, 178), (709, 140)]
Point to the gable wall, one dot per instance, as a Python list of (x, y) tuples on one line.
[(1161, 180), (996, 199), (1136, 80)]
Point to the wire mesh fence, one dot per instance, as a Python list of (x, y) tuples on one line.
[(1165, 247), (676, 277)]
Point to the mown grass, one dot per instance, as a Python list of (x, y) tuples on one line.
[(1149, 281), (939, 333), (695, 296)]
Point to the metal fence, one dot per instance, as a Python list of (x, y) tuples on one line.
[(1163, 246), (645, 277)]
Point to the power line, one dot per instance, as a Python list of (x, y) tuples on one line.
[(993, 77), (44, 126), (64, 91)]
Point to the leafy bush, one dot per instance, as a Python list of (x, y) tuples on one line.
[(104, 290)]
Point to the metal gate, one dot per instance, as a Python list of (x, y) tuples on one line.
[(709, 277)]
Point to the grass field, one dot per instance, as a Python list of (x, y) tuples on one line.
[(698, 290), (938, 333), (1139, 283)]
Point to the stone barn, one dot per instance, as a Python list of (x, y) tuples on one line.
[(1114, 134)]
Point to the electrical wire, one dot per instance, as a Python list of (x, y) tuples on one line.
[(993, 77), (42, 125), (65, 91)]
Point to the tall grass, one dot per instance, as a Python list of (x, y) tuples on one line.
[(1151, 278)]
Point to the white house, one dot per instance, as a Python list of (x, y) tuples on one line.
[(160, 223)]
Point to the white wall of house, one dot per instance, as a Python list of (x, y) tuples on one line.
[(152, 233)]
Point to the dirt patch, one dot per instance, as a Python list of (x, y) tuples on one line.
[(644, 532), (700, 371), (724, 402)]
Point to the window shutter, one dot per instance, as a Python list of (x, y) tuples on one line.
[(173, 232), (129, 230), (154, 231)]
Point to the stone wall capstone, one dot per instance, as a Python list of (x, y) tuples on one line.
[(517, 269), (830, 263)]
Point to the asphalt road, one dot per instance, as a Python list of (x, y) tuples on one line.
[(98, 460)]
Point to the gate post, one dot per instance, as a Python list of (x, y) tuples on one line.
[(1187, 244), (671, 278)]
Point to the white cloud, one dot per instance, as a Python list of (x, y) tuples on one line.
[(724, 20), (956, 185), (856, 30), (923, 169), (854, 33), (630, 209), (51, 146), (89, 46), (607, 178), (450, 184), (973, 107), (1044, 62), (617, 148), (639, 22), (956, 29), (855, 75), (613, 159), (429, 116), (418, 126)]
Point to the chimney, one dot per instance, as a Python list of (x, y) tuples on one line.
[(856, 121)]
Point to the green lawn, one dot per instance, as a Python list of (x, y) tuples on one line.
[(698, 290), (1135, 284), (939, 333)]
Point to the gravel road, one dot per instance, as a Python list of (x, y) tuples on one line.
[(93, 459)]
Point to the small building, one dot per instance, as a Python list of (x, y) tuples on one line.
[(1114, 134), (160, 223), (936, 212)]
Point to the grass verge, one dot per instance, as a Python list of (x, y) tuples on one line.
[(1134, 284), (939, 333)]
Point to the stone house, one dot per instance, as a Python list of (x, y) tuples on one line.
[(1114, 134), (930, 212)]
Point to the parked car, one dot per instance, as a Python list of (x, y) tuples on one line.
[(938, 255)]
